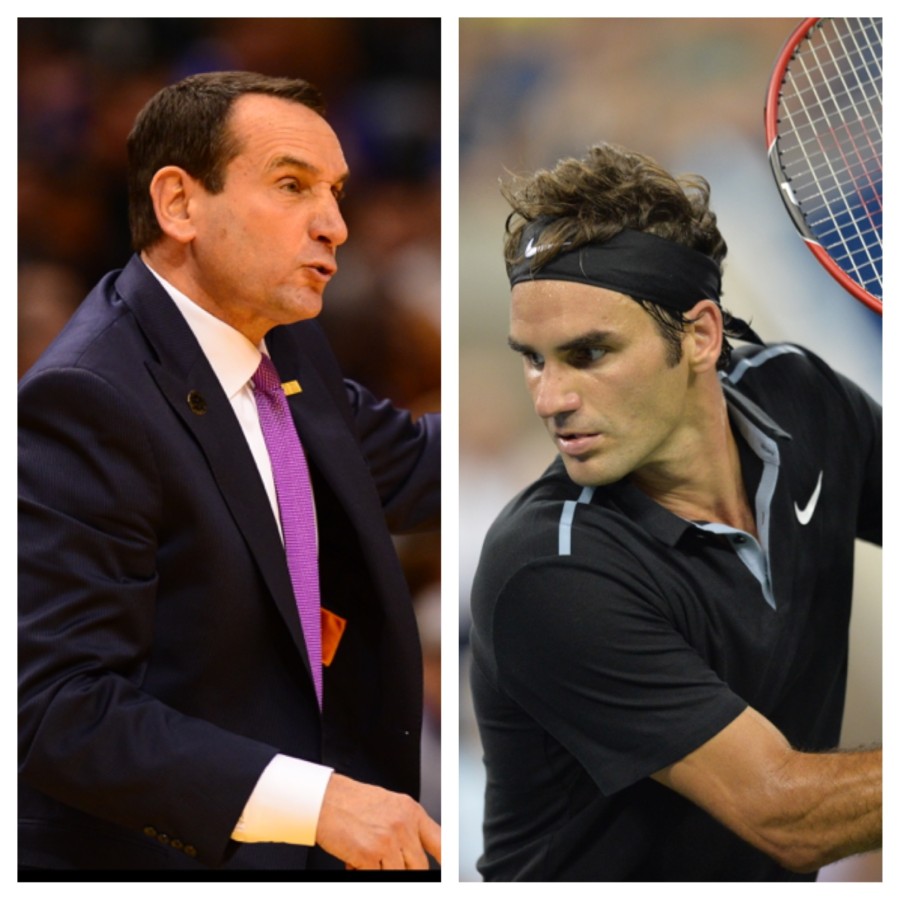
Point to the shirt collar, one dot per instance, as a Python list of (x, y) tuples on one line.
[(232, 357), (752, 413)]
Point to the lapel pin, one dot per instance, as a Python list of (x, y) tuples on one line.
[(196, 403), (291, 387)]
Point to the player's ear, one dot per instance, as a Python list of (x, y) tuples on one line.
[(704, 335), (172, 190)]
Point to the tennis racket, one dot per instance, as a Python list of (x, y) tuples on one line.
[(823, 132)]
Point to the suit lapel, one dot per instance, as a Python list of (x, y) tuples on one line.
[(191, 388)]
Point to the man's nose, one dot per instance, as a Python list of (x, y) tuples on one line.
[(328, 225), (554, 394)]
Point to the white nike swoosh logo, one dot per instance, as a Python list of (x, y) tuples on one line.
[(530, 249), (804, 515)]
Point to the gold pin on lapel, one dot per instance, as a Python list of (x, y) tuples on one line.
[(291, 387)]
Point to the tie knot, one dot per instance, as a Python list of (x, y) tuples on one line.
[(265, 378)]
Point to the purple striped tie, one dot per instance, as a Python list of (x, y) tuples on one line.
[(295, 500)]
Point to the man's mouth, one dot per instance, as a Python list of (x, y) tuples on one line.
[(324, 270), (575, 443)]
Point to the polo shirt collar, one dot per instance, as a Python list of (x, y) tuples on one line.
[(752, 413)]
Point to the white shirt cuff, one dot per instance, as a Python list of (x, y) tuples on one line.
[(285, 804)]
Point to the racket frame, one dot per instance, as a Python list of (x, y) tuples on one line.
[(773, 95)]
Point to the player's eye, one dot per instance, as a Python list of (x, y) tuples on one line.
[(584, 357)]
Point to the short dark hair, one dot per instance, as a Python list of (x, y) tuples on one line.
[(590, 200), (186, 125)]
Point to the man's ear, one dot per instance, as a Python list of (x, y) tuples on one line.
[(171, 191), (706, 331)]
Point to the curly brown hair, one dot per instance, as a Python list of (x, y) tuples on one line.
[(592, 199)]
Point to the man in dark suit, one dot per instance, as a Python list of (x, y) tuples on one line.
[(169, 713)]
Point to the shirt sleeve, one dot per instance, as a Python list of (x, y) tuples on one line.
[(599, 665), (285, 804)]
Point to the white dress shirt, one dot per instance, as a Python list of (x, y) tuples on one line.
[(285, 804)]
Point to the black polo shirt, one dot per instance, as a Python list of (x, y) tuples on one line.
[(611, 637)]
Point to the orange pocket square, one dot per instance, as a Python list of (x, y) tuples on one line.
[(332, 631)]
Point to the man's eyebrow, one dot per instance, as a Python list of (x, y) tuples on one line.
[(586, 341), (287, 161)]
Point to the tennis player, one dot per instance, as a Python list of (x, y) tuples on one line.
[(661, 620)]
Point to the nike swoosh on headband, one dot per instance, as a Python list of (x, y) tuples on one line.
[(532, 249), (805, 515)]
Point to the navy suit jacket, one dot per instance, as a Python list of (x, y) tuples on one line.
[(162, 663)]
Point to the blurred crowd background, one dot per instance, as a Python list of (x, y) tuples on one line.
[(690, 93), (80, 84)]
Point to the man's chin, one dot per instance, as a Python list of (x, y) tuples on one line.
[(305, 304), (590, 473)]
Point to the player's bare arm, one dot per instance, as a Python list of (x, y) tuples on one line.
[(803, 809)]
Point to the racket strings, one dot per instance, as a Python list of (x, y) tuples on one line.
[(830, 142), (850, 144)]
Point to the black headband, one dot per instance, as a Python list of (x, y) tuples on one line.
[(636, 263)]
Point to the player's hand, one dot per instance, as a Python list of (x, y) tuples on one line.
[(370, 828)]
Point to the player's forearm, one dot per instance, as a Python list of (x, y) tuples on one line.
[(802, 809), (824, 807)]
